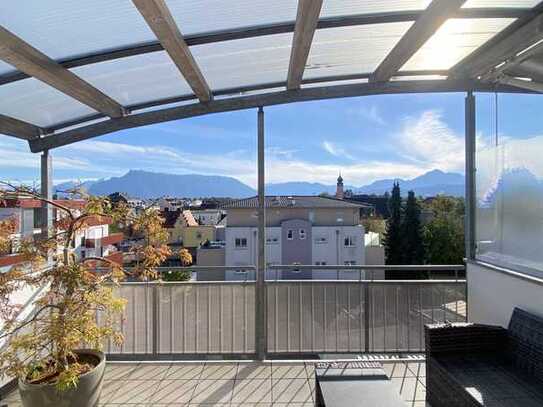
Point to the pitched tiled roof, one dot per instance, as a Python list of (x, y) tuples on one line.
[(170, 217), (294, 201)]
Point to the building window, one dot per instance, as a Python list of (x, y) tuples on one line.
[(240, 271), (349, 241), (290, 234), (321, 240), (241, 242), (272, 240), (350, 263), (320, 263), (302, 234)]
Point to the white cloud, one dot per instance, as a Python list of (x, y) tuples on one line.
[(428, 142), (372, 114), (336, 150)]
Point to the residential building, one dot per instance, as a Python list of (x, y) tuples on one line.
[(208, 216), (300, 230), (92, 241), (185, 231), (210, 254)]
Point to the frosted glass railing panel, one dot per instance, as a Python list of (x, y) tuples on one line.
[(206, 318), (335, 316), (185, 318), (510, 204), (136, 323)]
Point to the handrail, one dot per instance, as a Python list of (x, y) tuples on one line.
[(427, 267)]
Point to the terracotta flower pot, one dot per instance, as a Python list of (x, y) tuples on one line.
[(86, 394)]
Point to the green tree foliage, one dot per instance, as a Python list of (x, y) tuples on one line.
[(444, 234), (393, 237), (412, 235)]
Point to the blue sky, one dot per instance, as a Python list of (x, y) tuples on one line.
[(365, 138)]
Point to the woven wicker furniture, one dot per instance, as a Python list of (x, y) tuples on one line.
[(482, 365)]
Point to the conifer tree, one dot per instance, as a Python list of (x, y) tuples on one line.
[(412, 234), (393, 238)]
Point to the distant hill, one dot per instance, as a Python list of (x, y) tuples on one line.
[(61, 189), (144, 184), (301, 188), (429, 184)]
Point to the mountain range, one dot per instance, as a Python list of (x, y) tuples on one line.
[(144, 184)]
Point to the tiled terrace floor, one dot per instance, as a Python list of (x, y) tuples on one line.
[(231, 384)]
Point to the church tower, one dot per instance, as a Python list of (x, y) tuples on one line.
[(339, 188)]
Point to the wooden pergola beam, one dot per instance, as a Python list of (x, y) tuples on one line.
[(304, 29), (158, 17), (421, 31), (19, 128), (254, 101), (29, 60)]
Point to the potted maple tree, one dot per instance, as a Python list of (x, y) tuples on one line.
[(56, 351)]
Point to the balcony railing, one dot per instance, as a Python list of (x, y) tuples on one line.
[(165, 320)]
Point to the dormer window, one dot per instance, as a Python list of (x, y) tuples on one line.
[(290, 234)]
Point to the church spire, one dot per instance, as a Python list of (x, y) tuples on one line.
[(339, 187)]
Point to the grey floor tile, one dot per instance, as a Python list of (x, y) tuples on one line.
[(252, 391), (119, 371), (213, 391), (406, 386), (109, 388), (174, 391), (289, 371), (12, 397), (310, 370), (223, 371), (149, 371), (186, 371), (417, 368), (254, 371), (291, 391), (134, 391)]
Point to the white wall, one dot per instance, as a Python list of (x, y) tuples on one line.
[(492, 295)]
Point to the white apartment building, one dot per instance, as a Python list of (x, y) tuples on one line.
[(300, 230)]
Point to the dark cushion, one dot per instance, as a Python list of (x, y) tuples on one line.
[(491, 380)]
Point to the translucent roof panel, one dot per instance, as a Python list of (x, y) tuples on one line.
[(356, 49), (4, 68), (334, 83), (197, 16), (136, 79), (245, 62), (455, 40), (66, 28), (501, 3), (336, 8), (35, 102)]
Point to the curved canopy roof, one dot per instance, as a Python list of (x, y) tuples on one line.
[(74, 70)]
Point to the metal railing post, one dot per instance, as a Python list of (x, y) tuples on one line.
[(367, 303), (156, 316), (470, 140), (260, 300)]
